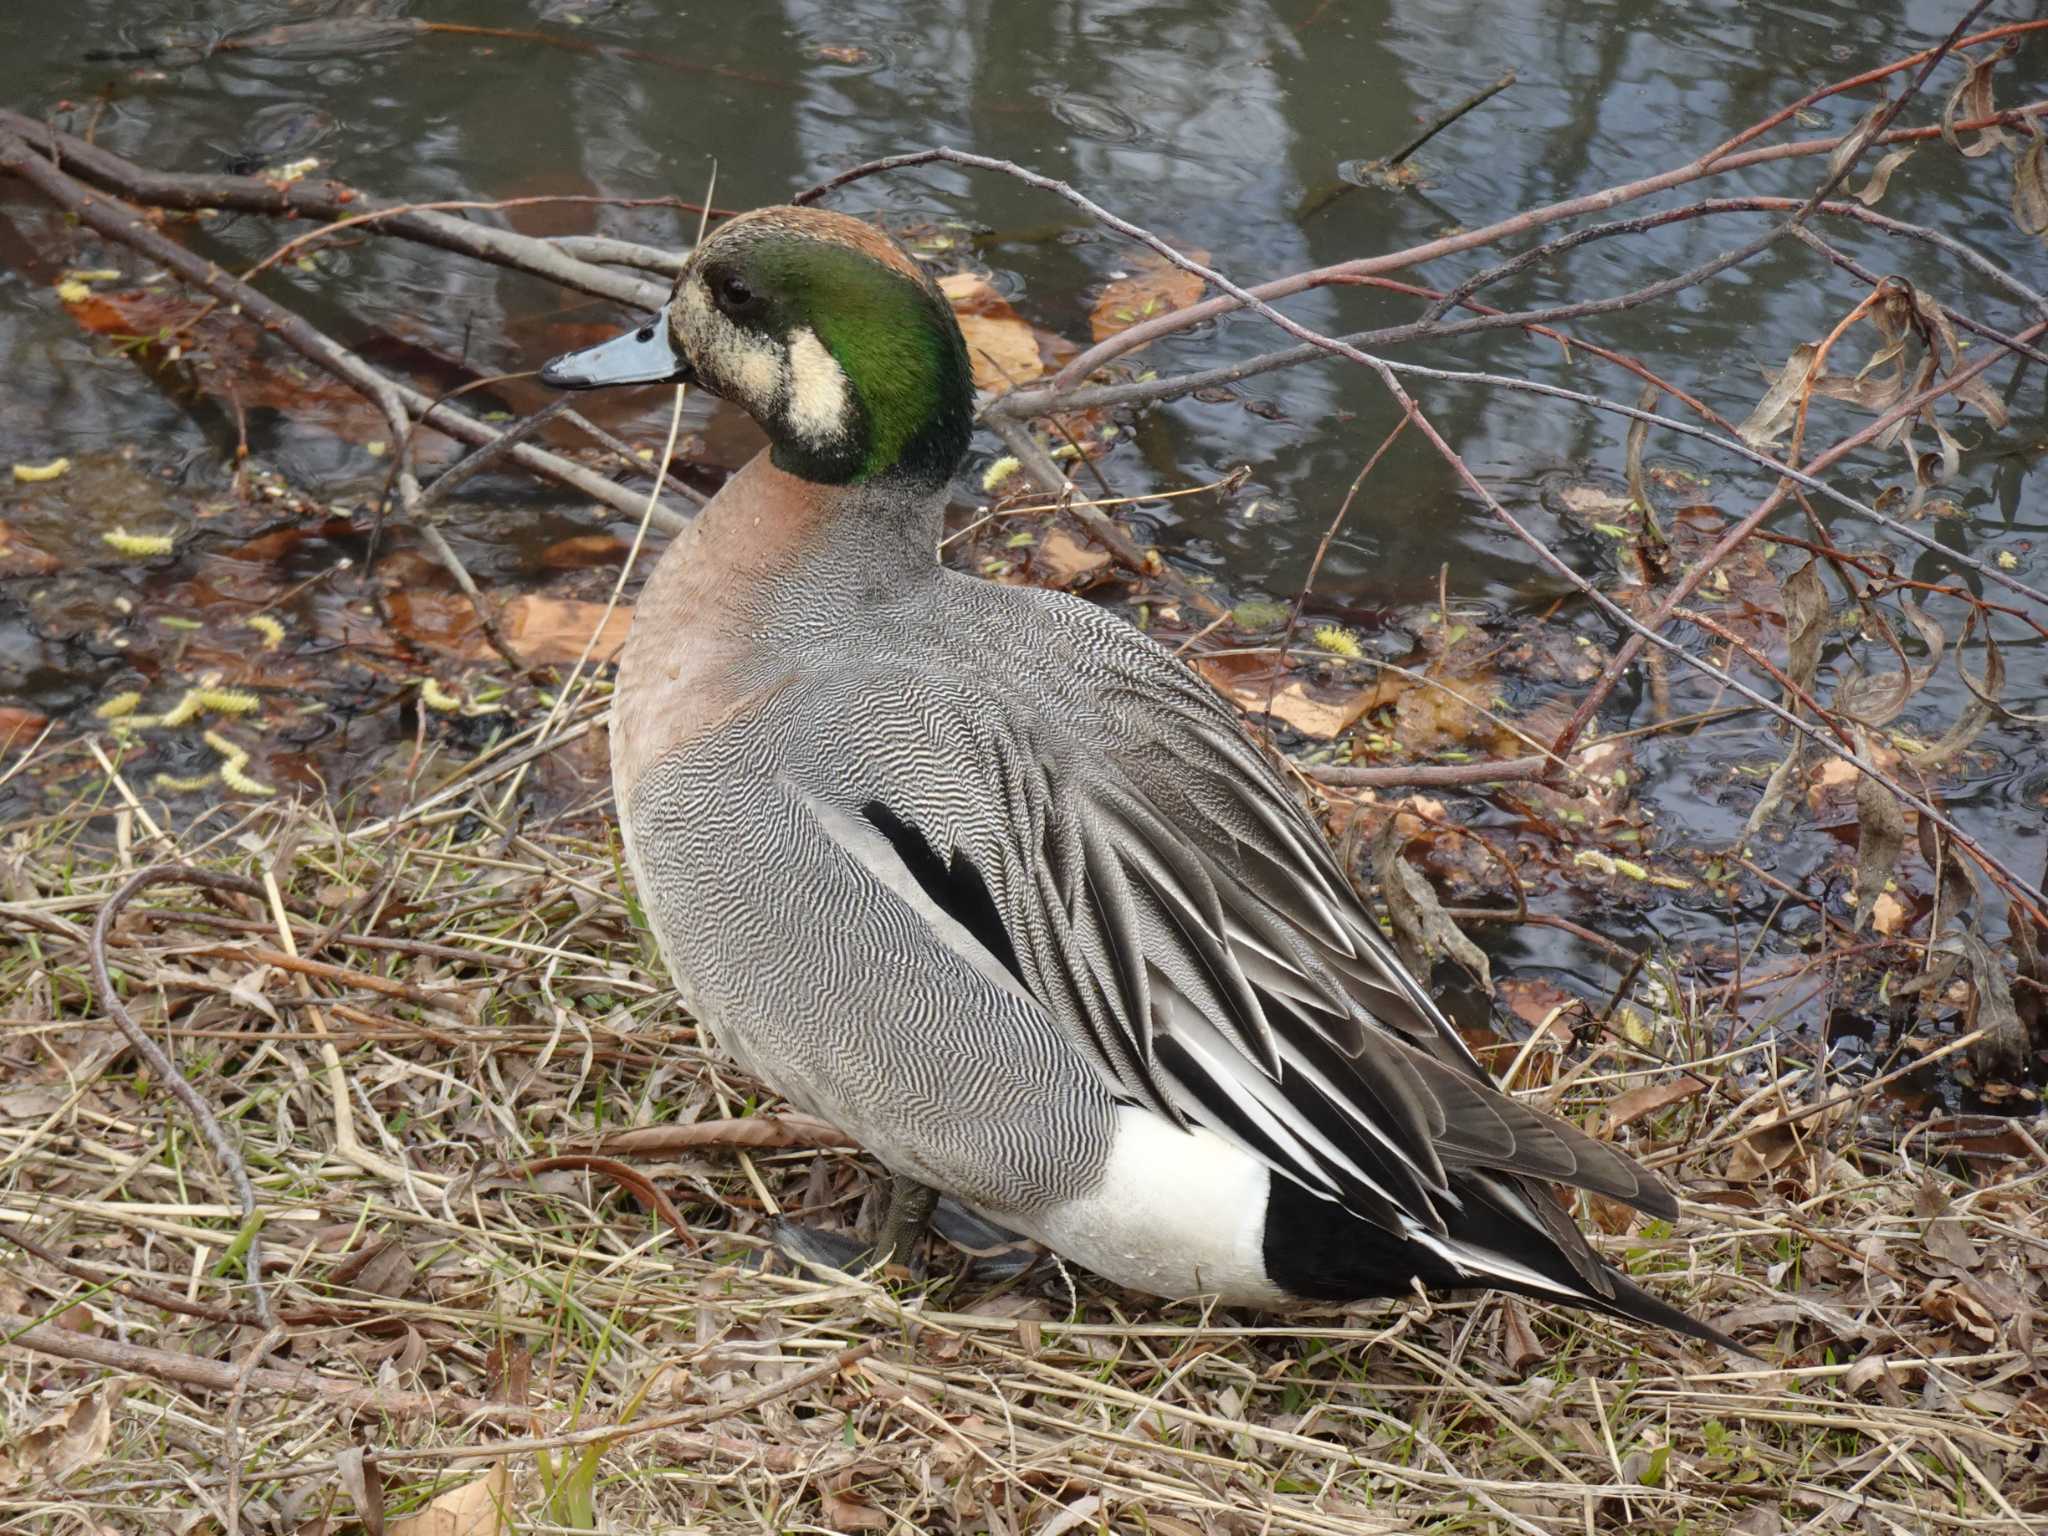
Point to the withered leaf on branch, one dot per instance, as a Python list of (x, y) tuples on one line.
[(1880, 838), (1975, 715), (1881, 176), (1955, 887), (1858, 139), (1977, 391), (2030, 188), (1971, 99), (1873, 700), (1806, 625), (1773, 415), (1420, 927)]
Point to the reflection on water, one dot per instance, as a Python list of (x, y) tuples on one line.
[(1209, 120)]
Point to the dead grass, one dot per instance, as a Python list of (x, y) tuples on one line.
[(421, 1068)]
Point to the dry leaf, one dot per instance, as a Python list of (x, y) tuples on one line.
[(474, 1509), (1000, 342), (1880, 839), (1156, 287), (1773, 415), (1420, 927), (1648, 1100), (1767, 1146), (1291, 704), (1064, 561), (2030, 189), (1881, 176), (552, 631), (1519, 1350), (1955, 1303), (1943, 1236), (1971, 100), (363, 1481), (845, 1507), (67, 1441)]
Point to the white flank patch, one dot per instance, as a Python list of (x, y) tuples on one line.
[(817, 389), (1178, 1213)]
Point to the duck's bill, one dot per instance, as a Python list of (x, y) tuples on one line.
[(645, 356)]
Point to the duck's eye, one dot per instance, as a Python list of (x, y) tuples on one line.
[(733, 294)]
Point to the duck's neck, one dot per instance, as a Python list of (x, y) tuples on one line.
[(771, 548)]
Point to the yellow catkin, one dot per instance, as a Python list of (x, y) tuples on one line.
[(1337, 641), (136, 546), (998, 472), (31, 473), (185, 711), (233, 760), (266, 626), (227, 701), (73, 292), (170, 783), (437, 698), (119, 707)]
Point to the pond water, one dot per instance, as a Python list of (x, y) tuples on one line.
[(1223, 125)]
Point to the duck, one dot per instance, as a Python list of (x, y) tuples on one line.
[(993, 883)]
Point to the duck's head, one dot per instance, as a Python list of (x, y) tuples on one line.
[(825, 331)]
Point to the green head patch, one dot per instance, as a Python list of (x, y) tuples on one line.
[(832, 338)]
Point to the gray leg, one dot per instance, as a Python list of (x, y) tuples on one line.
[(910, 1210)]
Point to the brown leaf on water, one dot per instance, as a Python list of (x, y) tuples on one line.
[(1001, 344), (1648, 1100), (1247, 681), (1154, 287), (66, 1442), (474, 1509), (1971, 99), (1443, 711), (1062, 560), (2030, 189)]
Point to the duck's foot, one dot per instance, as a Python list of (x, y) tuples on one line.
[(894, 1248)]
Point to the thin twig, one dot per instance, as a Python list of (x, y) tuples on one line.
[(226, 1157)]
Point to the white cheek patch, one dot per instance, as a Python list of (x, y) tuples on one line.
[(754, 367), (817, 389)]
